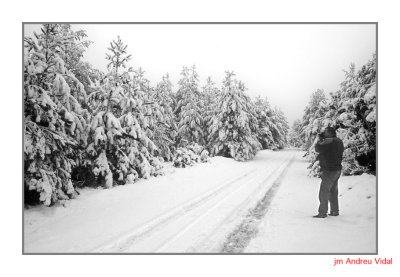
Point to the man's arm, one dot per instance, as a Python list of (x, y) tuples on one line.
[(324, 145)]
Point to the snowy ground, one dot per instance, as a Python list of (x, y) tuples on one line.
[(195, 209), (289, 228)]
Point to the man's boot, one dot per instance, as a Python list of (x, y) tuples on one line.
[(319, 215)]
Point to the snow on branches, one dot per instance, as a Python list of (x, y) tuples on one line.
[(352, 111), (84, 127), (189, 155), (272, 129), (163, 125), (231, 132), (120, 128), (189, 108), (55, 123)]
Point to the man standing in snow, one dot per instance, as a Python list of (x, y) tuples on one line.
[(330, 149)]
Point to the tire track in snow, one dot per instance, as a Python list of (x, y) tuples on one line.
[(213, 239), (241, 236), (187, 212), (123, 241), (204, 214)]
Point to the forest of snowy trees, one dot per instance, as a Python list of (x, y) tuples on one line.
[(352, 112), (84, 127)]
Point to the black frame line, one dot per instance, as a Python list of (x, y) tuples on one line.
[(207, 23)]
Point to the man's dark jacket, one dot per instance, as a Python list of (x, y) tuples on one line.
[(330, 153)]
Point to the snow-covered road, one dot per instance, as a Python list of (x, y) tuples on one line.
[(188, 210)]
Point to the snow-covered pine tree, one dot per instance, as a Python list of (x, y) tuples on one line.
[(55, 122), (74, 44), (312, 124), (341, 114), (87, 75), (279, 128), (120, 147), (358, 118), (211, 96), (352, 111), (189, 109), (141, 124), (365, 109), (165, 128), (294, 134), (268, 132), (252, 115), (231, 131)]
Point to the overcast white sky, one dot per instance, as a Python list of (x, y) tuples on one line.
[(286, 63)]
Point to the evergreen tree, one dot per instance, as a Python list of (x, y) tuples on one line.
[(84, 127), (352, 111), (138, 121), (264, 113), (231, 131), (313, 113), (74, 44), (279, 129), (294, 134), (189, 109), (87, 75), (313, 124), (272, 127), (211, 96), (365, 110), (118, 57), (55, 122), (120, 146), (165, 128)]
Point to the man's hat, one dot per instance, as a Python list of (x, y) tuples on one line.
[(330, 130)]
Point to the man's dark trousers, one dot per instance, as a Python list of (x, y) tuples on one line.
[(328, 191)]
